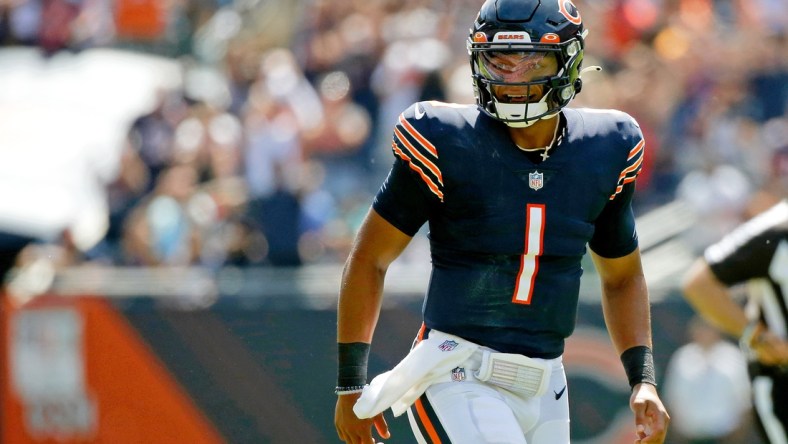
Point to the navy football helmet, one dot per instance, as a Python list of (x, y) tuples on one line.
[(525, 58)]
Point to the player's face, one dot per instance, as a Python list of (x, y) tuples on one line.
[(519, 67)]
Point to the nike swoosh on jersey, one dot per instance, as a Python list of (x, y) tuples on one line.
[(419, 113), (559, 394)]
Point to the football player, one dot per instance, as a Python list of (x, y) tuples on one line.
[(513, 188)]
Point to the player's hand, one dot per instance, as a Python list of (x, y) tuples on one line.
[(651, 417), (770, 348), (353, 430)]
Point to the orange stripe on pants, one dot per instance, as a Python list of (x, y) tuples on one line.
[(425, 420)]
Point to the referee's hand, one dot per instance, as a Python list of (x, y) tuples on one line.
[(770, 348)]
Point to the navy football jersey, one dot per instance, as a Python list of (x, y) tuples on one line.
[(507, 235)]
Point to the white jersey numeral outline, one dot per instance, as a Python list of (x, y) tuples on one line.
[(529, 262)]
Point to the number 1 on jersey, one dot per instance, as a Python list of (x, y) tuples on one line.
[(529, 262)]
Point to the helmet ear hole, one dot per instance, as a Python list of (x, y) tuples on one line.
[(566, 93), (578, 84)]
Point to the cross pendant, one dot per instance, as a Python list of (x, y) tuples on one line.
[(544, 156)]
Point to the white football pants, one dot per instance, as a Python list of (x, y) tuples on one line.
[(463, 410)]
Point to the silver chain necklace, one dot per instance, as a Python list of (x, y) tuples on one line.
[(547, 148)]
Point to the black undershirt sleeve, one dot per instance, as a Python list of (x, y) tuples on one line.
[(614, 232)]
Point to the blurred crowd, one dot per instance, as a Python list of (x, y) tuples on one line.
[(271, 149)]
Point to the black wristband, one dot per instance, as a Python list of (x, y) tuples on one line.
[(352, 364), (639, 365)]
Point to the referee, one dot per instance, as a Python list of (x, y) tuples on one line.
[(755, 254)]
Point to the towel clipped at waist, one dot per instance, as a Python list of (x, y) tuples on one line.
[(426, 363)]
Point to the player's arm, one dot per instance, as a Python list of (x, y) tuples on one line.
[(377, 244), (625, 300), (712, 299), (745, 254), (625, 304), (403, 204), (626, 307), (614, 249)]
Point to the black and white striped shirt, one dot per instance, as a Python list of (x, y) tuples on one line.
[(756, 253)]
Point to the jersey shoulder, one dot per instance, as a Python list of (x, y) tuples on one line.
[(614, 135), (433, 115), (420, 132), (608, 123), (440, 128)]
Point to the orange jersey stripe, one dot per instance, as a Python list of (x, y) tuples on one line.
[(412, 150), (631, 168), (417, 135), (627, 175), (636, 149), (432, 186)]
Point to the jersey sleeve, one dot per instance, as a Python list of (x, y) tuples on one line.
[(415, 183), (401, 200), (746, 253), (634, 162), (411, 143), (614, 230)]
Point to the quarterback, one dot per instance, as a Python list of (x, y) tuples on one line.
[(514, 189)]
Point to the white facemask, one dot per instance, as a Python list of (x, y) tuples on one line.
[(512, 114)]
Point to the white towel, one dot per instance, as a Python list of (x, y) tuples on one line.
[(398, 388)]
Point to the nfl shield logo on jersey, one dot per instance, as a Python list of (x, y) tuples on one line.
[(448, 346), (535, 180), (458, 374)]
